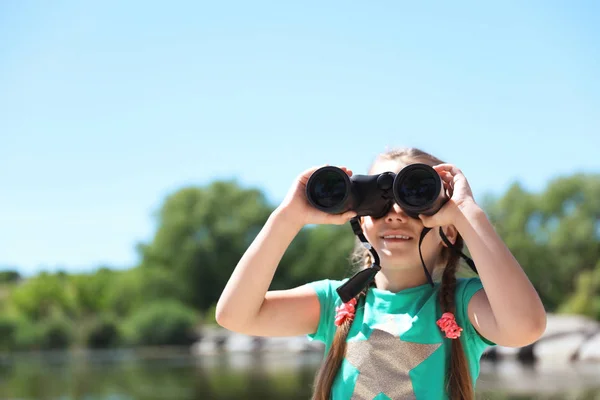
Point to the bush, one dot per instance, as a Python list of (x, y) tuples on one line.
[(42, 296), (166, 322), (10, 276), (18, 333), (102, 333), (210, 317), (8, 330), (56, 332), (27, 336)]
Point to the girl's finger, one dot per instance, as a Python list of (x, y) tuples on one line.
[(339, 219), (447, 167), (446, 176), (346, 170), (347, 216)]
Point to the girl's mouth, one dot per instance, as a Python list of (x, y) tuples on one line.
[(396, 238)]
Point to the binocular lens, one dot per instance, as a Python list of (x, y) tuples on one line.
[(418, 188), (328, 188)]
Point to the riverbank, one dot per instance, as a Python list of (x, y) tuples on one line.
[(568, 338)]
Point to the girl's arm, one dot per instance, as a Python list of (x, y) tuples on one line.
[(245, 306), (509, 311)]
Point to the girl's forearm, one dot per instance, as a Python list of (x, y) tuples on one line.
[(513, 299), (245, 291)]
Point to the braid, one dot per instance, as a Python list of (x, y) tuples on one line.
[(458, 382), (335, 356)]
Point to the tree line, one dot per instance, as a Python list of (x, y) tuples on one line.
[(203, 231)]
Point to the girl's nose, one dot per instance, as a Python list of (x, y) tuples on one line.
[(396, 214)]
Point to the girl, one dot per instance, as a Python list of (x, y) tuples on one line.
[(401, 337)]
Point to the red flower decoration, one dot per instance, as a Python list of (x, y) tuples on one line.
[(345, 312), (448, 325)]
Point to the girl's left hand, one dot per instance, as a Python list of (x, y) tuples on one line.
[(458, 191)]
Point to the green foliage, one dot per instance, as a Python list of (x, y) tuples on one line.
[(53, 332), (164, 322), (210, 317), (202, 233), (586, 298), (8, 330), (91, 291), (42, 295), (28, 335), (56, 332), (9, 276), (319, 252), (138, 286), (102, 332), (554, 234)]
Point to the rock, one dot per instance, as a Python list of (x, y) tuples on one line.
[(242, 343), (559, 324), (567, 338), (590, 350), (564, 338), (212, 340), (559, 348), (294, 344), (501, 353), (217, 339)]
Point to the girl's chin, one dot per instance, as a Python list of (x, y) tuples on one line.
[(398, 256), (399, 263)]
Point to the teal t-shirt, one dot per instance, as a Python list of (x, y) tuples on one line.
[(395, 350)]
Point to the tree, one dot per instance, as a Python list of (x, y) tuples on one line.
[(10, 275), (92, 289), (320, 252), (555, 234), (44, 295), (586, 298), (202, 233)]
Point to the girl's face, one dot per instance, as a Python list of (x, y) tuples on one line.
[(395, 236)]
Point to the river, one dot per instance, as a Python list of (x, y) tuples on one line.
[(128, 375)]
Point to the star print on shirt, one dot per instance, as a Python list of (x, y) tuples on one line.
[(384, 361)]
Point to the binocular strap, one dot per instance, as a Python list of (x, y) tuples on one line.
[(363, 278), (468, 260), (427, 274)]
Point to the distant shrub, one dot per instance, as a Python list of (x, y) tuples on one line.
[(55, 332), (102, 332), (166, 322), (8, 331)]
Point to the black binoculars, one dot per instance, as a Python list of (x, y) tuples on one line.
[(417, 189)]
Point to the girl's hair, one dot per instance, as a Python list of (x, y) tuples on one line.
[(458, 378)]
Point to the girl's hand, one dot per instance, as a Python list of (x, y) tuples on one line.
[(459, 194), (299, 211)]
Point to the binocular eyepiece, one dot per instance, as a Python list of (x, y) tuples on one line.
[(417, 189)]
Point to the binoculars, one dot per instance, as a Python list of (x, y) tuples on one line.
[(417, 189)]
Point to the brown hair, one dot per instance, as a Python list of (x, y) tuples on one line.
[(458, 379)]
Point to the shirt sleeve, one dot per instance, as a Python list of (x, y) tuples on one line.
[(327, 295), (465, 289)]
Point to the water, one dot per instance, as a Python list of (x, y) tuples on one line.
[(124, 375)]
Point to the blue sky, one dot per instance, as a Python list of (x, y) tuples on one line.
[(107, 107)]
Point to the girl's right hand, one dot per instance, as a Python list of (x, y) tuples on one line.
[(299, 211)]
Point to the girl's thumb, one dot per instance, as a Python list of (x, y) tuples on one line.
[(347, 216), (428, 221)]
